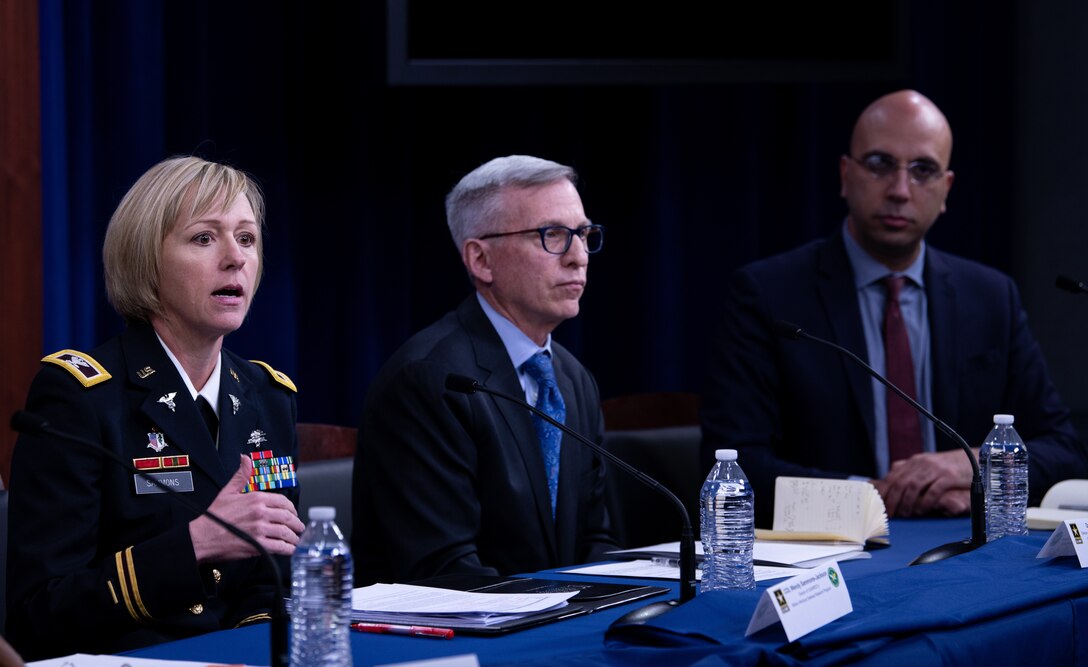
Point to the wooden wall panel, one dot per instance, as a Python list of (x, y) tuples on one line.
[(20, 212)]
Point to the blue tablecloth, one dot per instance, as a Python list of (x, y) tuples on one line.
[(982, 589), (998, 605)]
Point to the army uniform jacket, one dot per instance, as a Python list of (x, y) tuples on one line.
[(99, 562)]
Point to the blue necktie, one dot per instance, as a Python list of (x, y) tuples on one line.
[(550, 402)]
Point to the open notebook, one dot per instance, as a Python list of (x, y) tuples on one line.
[(1064, 501)]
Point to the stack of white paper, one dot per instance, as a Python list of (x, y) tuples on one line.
[(423, 605), (775, 553), (773, 560)]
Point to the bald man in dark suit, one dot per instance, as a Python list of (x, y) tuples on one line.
[(795, 409)]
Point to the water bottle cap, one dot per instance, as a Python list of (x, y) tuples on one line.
[(322, 513), (1003, 420), (726, 455)]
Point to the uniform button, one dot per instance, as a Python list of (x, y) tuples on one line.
[(216, 575), (197, 609)]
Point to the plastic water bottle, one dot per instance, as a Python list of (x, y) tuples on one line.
[(1003, 463), (322, 574), (727, 517)]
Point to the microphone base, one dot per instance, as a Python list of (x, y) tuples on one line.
[(646, 613), (946, 551)]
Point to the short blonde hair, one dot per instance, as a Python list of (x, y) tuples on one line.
[(176, 188)]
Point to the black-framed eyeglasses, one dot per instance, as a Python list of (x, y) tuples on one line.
[(556, 238), (881, 165)]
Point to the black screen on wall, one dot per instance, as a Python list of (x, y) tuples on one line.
[(438, 42)]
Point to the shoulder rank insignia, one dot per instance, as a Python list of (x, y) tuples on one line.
[(277, 376), (82, 366)]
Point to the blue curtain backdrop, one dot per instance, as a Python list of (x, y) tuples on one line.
[(691, 180)]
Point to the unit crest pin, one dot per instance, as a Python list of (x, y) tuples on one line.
[(156, 441)]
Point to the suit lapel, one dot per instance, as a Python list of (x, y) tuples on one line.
[(943, 329), (839, 296), (571, 452), (497, 371)]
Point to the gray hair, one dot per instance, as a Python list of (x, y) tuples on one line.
[(474, 206)]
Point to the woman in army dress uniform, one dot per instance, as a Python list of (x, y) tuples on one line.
[(100, 560)]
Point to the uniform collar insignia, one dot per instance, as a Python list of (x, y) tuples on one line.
[(168, 399), (234, 375), (234, 403), (145, 372)]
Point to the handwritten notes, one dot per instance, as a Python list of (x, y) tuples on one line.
[(817, 509)]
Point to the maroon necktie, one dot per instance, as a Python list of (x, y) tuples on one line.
[(904, 431)]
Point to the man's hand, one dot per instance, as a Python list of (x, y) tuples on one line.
[(927, 483), (269, 518)]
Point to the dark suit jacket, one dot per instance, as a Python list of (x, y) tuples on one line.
[(447, 482), (94, 566), (800, 409)]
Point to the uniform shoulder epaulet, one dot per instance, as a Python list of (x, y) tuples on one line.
[(82, 366), (277, 375)]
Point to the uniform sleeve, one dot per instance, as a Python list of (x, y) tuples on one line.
[(72, 580)]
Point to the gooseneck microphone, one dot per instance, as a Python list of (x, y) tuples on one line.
[(29, 423), (466, 385), (1068, 284), (978, 506)]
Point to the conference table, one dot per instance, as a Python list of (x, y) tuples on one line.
[(997, 605)]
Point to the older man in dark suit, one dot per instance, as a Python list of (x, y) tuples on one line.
[(448, 483), (950, 330)]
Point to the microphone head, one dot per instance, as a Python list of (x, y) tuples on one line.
[(1068, 284), (787, 329), (462, 384), (26, 422)]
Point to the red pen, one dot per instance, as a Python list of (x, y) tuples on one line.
[(413, 630)]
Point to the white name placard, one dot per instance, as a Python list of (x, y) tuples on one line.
[(804, 603), (1068, 539)]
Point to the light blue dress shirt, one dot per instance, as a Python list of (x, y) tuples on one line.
[(519, 346), (871, 293)]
